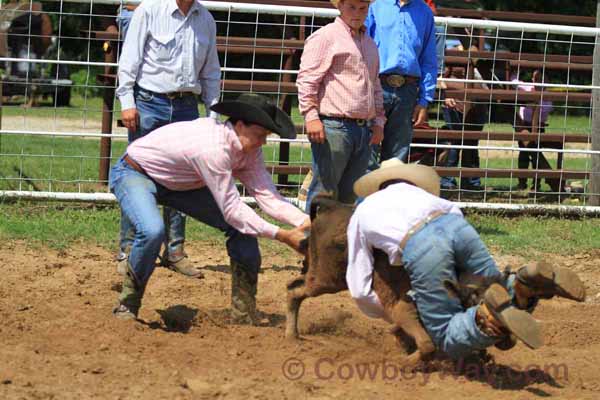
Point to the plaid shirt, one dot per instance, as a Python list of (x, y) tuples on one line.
[(339, 75), (205, 152)]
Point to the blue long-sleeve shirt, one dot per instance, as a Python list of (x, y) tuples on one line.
[(405, 37)]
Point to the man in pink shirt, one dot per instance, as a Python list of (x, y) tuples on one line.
[(340, 96), (191, 167)]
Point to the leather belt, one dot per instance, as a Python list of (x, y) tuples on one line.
[(359, 122), (394, 80), (177, 95), (133, 164), (419, 225)]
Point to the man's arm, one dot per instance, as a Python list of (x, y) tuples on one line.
[(428, 64), (380, 118), (215, 169), (259, 184), (210, 74), (129, 63), (370, 24), (359, 275), (314, 64)]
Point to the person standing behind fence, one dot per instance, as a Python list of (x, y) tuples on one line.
[(169, 57), (340, 96), (532, 119), (461, 114), (405, 35)]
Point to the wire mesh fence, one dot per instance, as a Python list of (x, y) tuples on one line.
[(511, 123)]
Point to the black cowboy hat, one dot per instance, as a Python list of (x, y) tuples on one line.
[(256, 109)]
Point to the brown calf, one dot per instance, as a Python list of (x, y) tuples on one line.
[(325, 272)]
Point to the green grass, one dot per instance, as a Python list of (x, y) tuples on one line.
[(63, 225), (531, 236), (88, 107)]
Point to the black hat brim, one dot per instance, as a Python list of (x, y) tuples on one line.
[(282, 124)]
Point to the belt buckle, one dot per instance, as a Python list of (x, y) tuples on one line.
[(361, 122), (175, 95), (396, 80)]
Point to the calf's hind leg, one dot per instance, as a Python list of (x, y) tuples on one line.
[(405, 317)]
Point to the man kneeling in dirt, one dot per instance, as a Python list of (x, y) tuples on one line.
[(191, 166), (403, 216)]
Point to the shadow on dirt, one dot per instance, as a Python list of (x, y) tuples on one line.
[(502, 377), (222, 268), (226, 269), (177, 318)]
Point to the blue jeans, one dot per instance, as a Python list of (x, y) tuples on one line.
[(470, 157), (139, 197), (440, 46), (341, 160), (444, 247), (399, 104), (156, 111), (123, 19)]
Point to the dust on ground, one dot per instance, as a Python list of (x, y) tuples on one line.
[(60, 341)]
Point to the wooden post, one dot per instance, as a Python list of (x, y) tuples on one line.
[(286, 105), (594, 183), (110, 56)]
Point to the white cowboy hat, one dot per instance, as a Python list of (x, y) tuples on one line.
[(419, 175), (336, 2)]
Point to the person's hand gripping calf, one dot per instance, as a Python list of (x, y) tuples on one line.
[(294, 237)]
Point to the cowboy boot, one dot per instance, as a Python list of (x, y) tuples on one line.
[(130, 299), (178, 261), (543, 280), (243, 294), (496, 317), (123, 260)]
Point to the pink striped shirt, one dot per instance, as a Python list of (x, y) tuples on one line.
[(339, 75), (205, 152)]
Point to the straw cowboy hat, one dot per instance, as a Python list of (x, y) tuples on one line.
[(419, 175), (336, 2), (256, 109)]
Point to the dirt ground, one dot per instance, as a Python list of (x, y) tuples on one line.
[(60, 341)]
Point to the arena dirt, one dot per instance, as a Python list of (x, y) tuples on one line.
[(60, 341)]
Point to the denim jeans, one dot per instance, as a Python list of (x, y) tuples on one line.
[(444, 247), (123, 19), (139, 197), (156, 111), (399, 104), (341, 160), (470, 157), (440, 46)]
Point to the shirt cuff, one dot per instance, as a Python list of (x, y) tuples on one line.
[(380, 122), (269, 230), (311, 115), (423, 103), (127, 101)]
